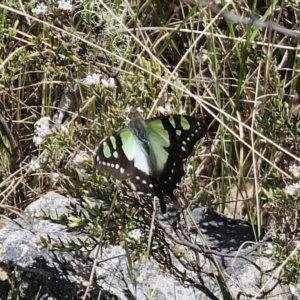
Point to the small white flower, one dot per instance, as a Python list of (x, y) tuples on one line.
[(54, 177), (203, 55), (81, 173), (42, 127), (167, 110), (41, 130), (80, 158), (40, 9), (189, 168), (135, 234), (88, 80), (112, 82), (34, 164), (295, 170), (270, 249), (65, 5), (92, 79), (268, 252), (292, 189), (37, 140), (64, 129), (104, 83)]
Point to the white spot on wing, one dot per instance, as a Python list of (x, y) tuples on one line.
[(150, 185), (117, 166), (144, 181), (137, 177), (104, 163), (182, 148), (122, 171)]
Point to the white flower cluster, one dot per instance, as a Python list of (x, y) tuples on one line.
[(97, 79), (65, 5), (81, 158), (42, 9), (293, 188), (79, 161), (111, 83), (41, 130), (270, 249), (295, 170), (92, 79), (54, 177), (135, 234), (167, 110), (34, 164)]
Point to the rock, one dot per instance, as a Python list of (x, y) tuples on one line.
[(29, 271)]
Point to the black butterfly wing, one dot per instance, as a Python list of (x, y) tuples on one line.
[(171, 138), (110, 157), (182, 134), (188, 131), (122, 156)]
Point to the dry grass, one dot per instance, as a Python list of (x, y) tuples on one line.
[(242, 80)]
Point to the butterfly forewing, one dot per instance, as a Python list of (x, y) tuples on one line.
[(110, 157), (122, 156)]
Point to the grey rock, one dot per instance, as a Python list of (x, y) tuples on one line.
[(41, 273)]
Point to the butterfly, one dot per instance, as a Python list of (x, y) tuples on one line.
[(150, 153)]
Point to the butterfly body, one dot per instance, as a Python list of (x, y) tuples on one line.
[(150, 152)]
